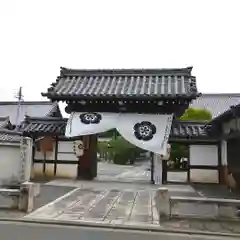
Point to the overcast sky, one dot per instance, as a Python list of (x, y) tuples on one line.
[(37, 37)]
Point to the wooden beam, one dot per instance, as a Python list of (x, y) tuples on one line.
[(55, 156)]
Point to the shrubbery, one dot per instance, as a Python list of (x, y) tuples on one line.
[(119, 151)]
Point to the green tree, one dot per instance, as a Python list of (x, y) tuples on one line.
[(119, 150), (199, 114)]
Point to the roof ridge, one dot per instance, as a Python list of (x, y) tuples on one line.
[(220, 94), (10, 132), (125, 71), (193, 121), (25, 102), (5, 118), (45, 118)]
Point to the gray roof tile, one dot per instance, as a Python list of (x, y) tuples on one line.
[(189, 130), (56, 126), (216, 103), (4, 122), (134, 83), (44, 126), (10, 136)]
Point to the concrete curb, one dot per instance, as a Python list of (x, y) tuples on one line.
[(143, 228)]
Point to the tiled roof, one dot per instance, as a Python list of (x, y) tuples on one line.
[(123, 83), (4, 122), (56, 126), (230, 113), (34, 109), (216, 103), (189, 130), (45, 126), (10, 136)]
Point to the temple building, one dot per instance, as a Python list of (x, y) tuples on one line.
[(143, 105)]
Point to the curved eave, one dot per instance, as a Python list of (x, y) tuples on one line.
[(65, 97)]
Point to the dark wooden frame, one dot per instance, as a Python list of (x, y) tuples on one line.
[(195, 142), (55, 161), (148, 105)]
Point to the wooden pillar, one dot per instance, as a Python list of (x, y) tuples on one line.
[(44, 162), (55, 156), (87, 167), (152, 168), (188, 165), (164, 172)]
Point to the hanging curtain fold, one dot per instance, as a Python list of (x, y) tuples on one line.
[(80, 124), (147, 131)]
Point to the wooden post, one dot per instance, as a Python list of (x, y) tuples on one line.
[(188, 166), (152, 168), (164, 172), (55, 156)]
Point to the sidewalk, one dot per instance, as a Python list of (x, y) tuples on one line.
[(203, 225)]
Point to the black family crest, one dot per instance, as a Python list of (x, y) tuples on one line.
[(90, 118), (144, 130)]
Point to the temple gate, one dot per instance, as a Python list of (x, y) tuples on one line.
[(140, 103)]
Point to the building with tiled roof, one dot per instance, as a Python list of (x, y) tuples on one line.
[(10, 136), (5, 123), (33, 108), (123, 83), (181, 130), (8, 133), (216, 103)]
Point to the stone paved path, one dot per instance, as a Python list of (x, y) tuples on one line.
[(126, 204), (126, 173), (111, 206)]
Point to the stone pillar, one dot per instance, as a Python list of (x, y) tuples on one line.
[(157, 169), (25, 159), (162, 202), (26, 200)]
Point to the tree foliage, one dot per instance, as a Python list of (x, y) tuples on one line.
[(200, 114), (119, 150)]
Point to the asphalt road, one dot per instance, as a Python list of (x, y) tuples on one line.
[(29, 231)]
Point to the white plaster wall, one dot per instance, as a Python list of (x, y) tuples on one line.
[(38, 167), (224, 153), (206, 155), (66, 153), (67, 171), (9, 164), (204, 175), (65, 146), (37, 170), (49, 155)]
